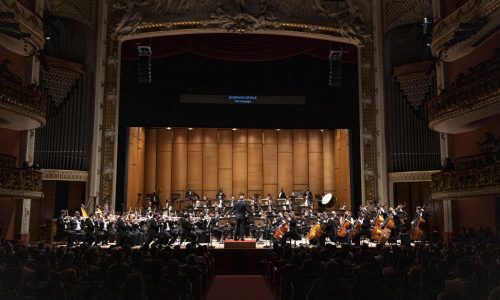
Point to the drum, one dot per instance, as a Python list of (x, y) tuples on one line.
[(328, 200)]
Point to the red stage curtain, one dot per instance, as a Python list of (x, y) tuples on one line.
[(239, 47)]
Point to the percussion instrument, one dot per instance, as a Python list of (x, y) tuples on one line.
[(328, 200)]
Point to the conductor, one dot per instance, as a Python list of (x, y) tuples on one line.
[(239, 211)]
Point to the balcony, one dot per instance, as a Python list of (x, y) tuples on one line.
[(21, 107), (472, 98), (463, 30), (19, 183), (474, 176)]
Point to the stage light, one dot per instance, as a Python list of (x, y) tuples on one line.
[(278, 129), (234, 129), (335, 75), (144, 64), (190, 128), (168, 128), (427, 31)]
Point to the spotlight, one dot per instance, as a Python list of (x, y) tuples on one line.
[(144, 64), (190, 128), (234, 129), (168, 128), (278, 129), (335, 75)]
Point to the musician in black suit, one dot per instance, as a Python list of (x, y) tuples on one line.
[(155, 201), (220, 194), (121, 230), (153, 231), (282, 194), (188, 229), (62, 229), (292, 232), (90, 229), (240, 209)]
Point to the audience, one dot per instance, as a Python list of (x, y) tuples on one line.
[(466, 268)]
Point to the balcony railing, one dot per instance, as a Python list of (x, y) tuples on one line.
[(25, 100), (479, 179), (16, 182), (466, 97)]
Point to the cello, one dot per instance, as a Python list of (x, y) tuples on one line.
[(359, 222), (388, 226), (342, 231), (280, 231)]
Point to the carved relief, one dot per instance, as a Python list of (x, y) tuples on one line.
[(238, 16), (61, 78), (415, 81)]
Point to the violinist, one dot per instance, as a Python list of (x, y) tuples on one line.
[(90, 229), (153, 232), (62, 229), (188, 229), (121, 230)]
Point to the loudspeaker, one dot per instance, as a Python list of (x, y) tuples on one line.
[(144, 64), (335, 74)]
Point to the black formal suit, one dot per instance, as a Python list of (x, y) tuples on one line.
[(291, 233), (90, 228), (188, 231), (282, 195), (153, 231), (240, 210), (121, 231)]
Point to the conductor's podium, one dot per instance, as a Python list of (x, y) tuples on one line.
[(236, 244)]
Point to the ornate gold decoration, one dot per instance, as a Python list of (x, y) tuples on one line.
[(467, 98), (415, 80), (61, 78), (28, 22), (66, 175), (25, 100), (413, 176), (462, 183), (14, 182)]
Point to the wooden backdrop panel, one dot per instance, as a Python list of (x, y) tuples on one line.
[(300, 160), (163, 164), (195, 160), (285, 162), (255, 162), (179, 161), (150, 163), (270, 162), (210, 161), (226, 161), (240, 162)]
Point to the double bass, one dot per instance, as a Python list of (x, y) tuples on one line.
[(388, 226), (417, 225), (377, 224)]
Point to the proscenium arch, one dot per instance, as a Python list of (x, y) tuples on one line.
[(299, 30)]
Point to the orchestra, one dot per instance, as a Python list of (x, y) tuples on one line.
[(297, 218)]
